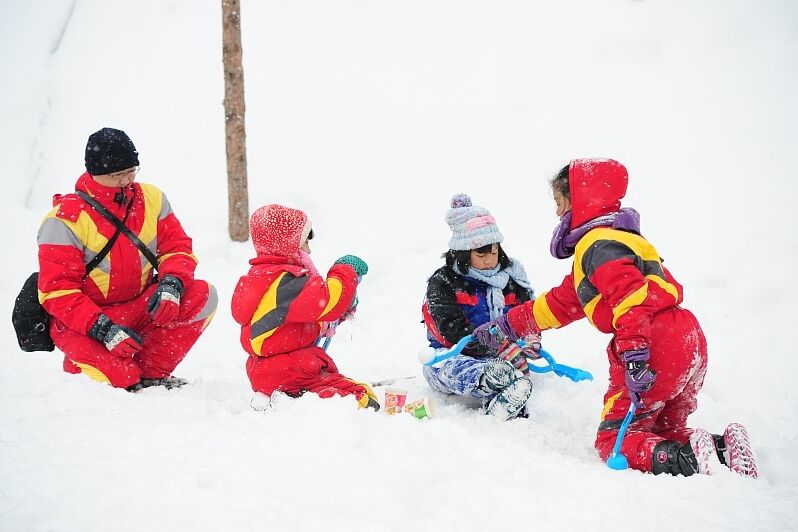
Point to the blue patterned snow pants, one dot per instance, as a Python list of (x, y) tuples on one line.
[(458, 375)]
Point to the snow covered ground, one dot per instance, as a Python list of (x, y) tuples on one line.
[(369, 115)]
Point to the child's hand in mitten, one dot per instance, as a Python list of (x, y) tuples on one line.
[(491, 334), (358, 264), (327, 328), (533, 346), (349, 314)]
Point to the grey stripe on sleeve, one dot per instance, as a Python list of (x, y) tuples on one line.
[(55, 232)]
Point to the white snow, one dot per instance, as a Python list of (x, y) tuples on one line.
[(369, 115)]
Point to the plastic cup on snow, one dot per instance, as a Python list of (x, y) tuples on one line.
[(394, 400), (421, 409)]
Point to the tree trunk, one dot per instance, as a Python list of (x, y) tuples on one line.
[(236, 138)]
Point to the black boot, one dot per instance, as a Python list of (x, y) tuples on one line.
[(373, 404), (720, 446), (166, 382), (674, 458)]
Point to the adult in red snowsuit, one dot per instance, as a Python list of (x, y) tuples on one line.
[(658, 353), (115, 323), (283, 306)]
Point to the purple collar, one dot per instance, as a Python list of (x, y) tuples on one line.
[(563, 241)]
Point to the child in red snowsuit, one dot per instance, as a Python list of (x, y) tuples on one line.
[(658, 353), (284, 306)]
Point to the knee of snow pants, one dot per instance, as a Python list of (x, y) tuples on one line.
[(679, 356)]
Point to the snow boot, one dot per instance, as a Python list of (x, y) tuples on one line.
[(510, 401), (166, 382), (497, 375), (685, 459), (734, 451)]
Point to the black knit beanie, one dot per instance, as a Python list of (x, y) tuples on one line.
[(110, 150)]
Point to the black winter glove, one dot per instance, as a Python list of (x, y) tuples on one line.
[(164, 304), (118, 339)]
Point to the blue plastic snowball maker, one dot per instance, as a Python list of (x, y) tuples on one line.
[(439, 357), (616, 460), (561, 370)]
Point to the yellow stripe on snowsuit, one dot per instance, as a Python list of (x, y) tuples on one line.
[(665, 285), (101, 279), (153, 198), (590, 308), (153, 202), (632, 300), (609, 404), (335, 287), (168, 255), (44, 296), (604, 245), (544, 317), (273, 308), (92, 372)]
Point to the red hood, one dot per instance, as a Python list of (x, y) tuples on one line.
[(597, 186), (278, 230)]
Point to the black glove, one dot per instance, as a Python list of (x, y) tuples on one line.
[(118, 339), (164, 303)]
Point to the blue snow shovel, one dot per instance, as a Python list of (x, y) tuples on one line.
[(616, 460)]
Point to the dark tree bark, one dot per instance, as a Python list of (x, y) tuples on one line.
[(236, 138)]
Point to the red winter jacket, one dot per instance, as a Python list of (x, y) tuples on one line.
[(617, 281), (73, 233), (279, 303)]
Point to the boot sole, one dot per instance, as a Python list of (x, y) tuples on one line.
[(739, 455), (704, 450)]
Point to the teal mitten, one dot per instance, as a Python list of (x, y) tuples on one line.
[(360, 266)]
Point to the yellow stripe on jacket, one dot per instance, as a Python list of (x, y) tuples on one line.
[(268, 304), (604, 245)]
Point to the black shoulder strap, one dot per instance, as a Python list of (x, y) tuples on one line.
[(121, 227)]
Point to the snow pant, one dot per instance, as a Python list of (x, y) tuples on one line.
[(458, 375), (679, 357), (164, 347), (309, 369)]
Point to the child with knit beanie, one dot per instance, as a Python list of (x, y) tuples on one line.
[(478, 283), (284, 307)]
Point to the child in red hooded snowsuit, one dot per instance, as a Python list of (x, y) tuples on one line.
[(283, 306), (658, 353)]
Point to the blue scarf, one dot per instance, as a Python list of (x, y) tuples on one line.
[(497, 280)]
